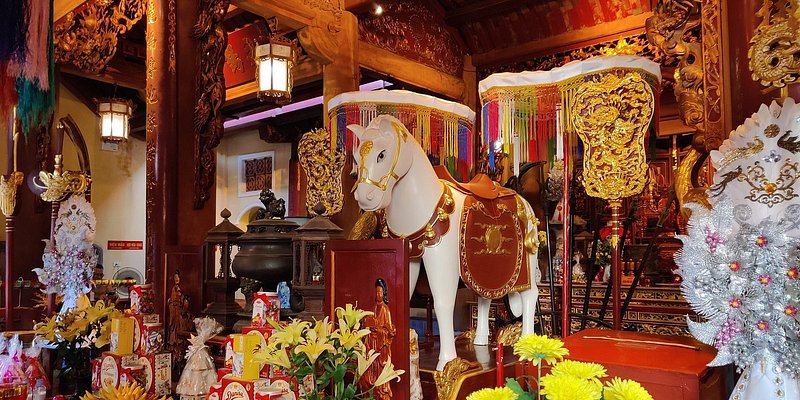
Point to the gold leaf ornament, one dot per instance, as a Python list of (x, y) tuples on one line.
[(611, 117), (776, 43), (323, 167)]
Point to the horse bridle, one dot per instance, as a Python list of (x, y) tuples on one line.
[(364, 150)]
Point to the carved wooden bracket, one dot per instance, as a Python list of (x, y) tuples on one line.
[(689, 30), (212, 40), (88, 37)]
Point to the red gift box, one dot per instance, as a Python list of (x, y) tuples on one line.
[(271, 394), (266, 305), (214, 392), (222, 372), (157, 373), (110, 368), (142, 299), (234, 388), (230, 354), (152, 338), (138, 328)]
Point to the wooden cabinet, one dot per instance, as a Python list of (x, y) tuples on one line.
[(668, 367)]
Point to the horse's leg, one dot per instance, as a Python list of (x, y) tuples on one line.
[(530, 297), (413, 270), (441, 267), (482, 331)]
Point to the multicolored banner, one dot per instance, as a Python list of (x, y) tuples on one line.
[(535, 106), (443, 128)]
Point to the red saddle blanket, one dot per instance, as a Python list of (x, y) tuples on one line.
[(492, 251)]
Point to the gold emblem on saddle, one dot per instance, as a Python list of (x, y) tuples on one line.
[(493, 239), (492, 254)]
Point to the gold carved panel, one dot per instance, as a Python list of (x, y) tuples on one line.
[(89, 38)]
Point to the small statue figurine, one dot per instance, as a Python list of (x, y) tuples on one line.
[(274, 208), (382, 333)]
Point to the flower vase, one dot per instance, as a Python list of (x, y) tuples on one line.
[(75, 377), (765, 380)]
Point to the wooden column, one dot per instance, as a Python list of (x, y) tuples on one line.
[(160, 97), (174, 225), (32, 223)]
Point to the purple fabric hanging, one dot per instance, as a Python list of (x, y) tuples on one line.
[(13, 30)]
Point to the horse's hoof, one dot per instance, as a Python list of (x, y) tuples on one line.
[(481, 340)]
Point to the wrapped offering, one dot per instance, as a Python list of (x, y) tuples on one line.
[(199, 374)]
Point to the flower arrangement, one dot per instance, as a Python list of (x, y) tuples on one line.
[(567, 379), (77, 335), (328, 361), (603, 255)]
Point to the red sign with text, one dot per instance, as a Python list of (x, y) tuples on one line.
[(125, 245)]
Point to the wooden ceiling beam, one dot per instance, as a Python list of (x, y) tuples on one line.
[(63, 7), (387, 63), (358, 6), (482, 9), (605, 32), (294, 14), (118, 72)]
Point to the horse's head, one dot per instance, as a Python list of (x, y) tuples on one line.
[(381, 160)]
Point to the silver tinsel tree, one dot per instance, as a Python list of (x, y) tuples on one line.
[(740, 259)]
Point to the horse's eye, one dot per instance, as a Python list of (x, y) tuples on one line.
[(381, 155), (354, 175)]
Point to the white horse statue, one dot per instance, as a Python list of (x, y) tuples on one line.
[(479, 232)]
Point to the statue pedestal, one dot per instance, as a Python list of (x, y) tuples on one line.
[(474, 369)]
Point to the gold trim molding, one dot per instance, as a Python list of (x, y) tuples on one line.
[(449, 380)]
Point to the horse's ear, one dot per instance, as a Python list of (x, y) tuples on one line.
[(391, 125), (357, 130)]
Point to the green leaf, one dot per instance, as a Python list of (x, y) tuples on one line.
[(350, 392), (515, 387), (338, 375), (303, 371)]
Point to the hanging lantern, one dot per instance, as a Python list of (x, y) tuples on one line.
[(114, 115), (275, 61)]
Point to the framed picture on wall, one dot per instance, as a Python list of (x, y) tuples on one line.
[(255, 173)]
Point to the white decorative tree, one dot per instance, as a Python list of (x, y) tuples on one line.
[(740, 259), (69, 259)]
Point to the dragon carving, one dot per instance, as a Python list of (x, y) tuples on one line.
[(212, 41)]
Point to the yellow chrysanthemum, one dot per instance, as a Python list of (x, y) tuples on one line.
[(537, 348), (567, 387), (581, 370), (625, 389), (130, 391), (501, 393)]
